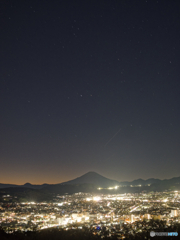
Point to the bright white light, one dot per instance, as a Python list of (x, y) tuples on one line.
[(116, 187), (96, 199), (88, 199), (60, 204)]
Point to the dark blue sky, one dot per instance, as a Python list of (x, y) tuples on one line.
[(89, 86)]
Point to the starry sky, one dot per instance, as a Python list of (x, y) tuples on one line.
[(89, 86)]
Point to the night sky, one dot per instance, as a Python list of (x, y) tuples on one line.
[(89, 86)]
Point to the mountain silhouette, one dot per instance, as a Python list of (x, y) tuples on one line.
[(93, 178)]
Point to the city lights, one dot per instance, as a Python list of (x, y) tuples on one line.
[(110, 209)]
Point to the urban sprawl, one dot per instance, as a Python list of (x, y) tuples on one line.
[(110, 213)]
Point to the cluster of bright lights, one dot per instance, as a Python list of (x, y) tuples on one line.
[(110, 188), (116, 187), (28, 203), (96, 199)]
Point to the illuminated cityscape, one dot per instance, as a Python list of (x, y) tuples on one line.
[(105, 215)]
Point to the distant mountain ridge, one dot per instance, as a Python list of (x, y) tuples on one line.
[(26, 185), (141, 182), (99, 181)]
